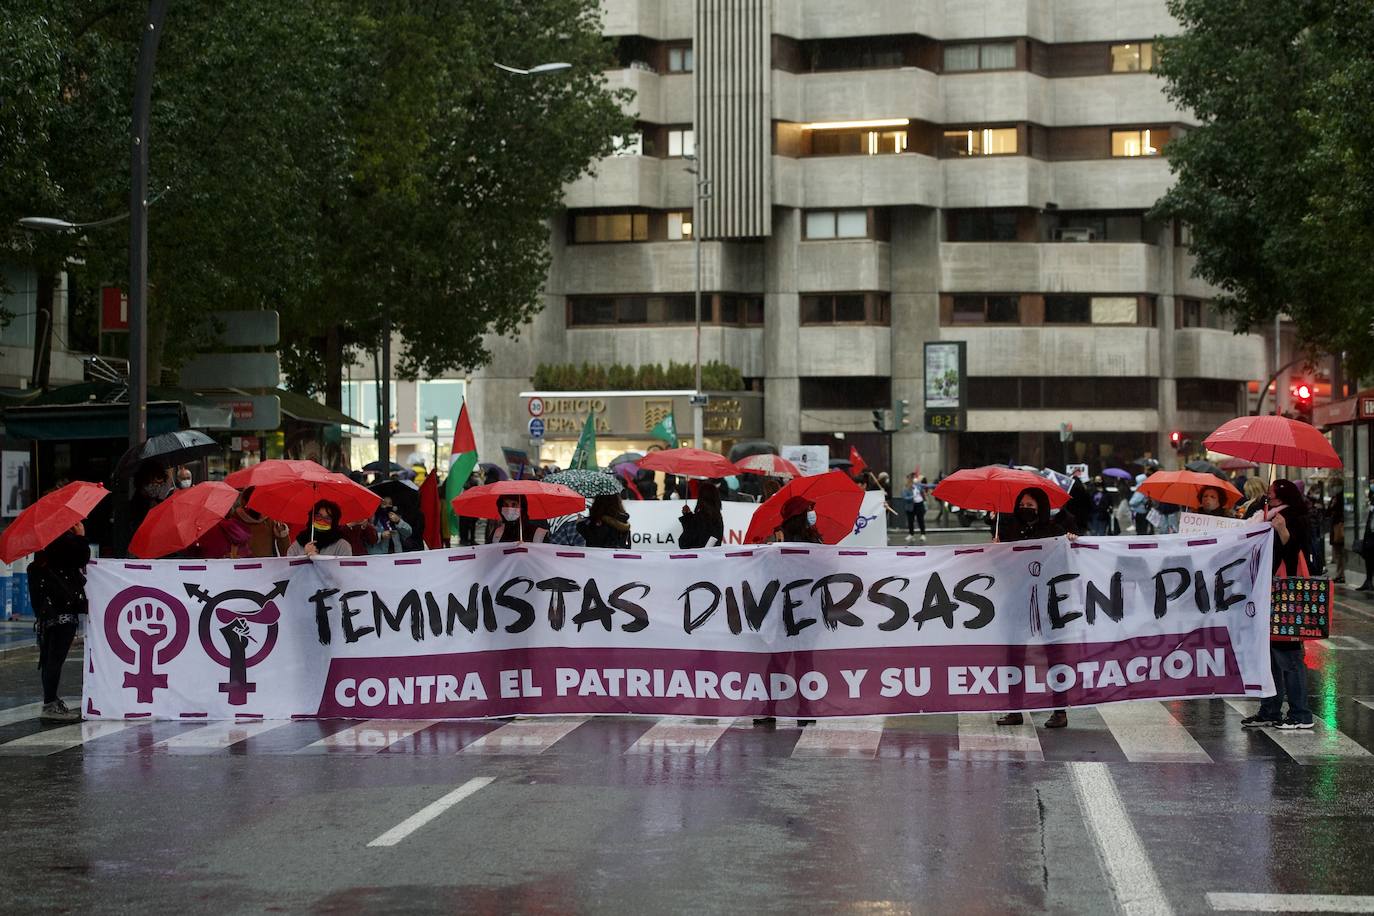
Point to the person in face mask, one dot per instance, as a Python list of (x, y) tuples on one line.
[(184, 480), (152, 484), (266, 538), (799, 522), (514, 526), (1032, 521), (392, 530), (323, 535), (607, 524), (703, 526)]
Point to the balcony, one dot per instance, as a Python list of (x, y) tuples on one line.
[(1108, 184), (1118, 98), (854, 95), (997, 181), (632, 181), (650, 18), (844, 350), (984, 18), (639, 267), (1061, 267), (1058, 351), (857, 181), (644, 83), (1207, 353), (843, 264), (997, 97)]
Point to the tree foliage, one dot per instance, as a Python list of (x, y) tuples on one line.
[(1277, 185), (324, 157), (715, 376)]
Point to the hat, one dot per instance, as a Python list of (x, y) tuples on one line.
[(796, 505)]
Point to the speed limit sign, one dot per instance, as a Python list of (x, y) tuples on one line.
[(536, 407)]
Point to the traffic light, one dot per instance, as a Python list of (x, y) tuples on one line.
[(901, 414), (878, 423), (1302, 400), (1176, 439)]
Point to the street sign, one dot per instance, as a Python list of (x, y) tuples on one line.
[(114, 309), (231, 370), (251, 412), (536, 407), (536, 428)]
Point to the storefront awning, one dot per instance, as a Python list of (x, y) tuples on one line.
[(1337, 413), (92, 420), (307, 410)]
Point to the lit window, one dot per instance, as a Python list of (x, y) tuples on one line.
[(611, 227), (1133, 143), (680, 60), (681, 143), (987, 141), (679, 225), (1133, 57)]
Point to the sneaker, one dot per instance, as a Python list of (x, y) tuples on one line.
[(1257, 721), (56, 712), (923, 539), (910, 538), (1289, 725)]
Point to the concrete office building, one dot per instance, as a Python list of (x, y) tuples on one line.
[(886, 173)]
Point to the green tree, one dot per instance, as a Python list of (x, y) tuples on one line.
[(1276, 185)]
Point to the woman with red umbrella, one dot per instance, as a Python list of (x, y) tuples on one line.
[(323, 536), (515, 525), (57, 588), (1032, 521), (799, 522)]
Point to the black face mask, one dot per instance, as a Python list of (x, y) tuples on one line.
[(1027, 516)]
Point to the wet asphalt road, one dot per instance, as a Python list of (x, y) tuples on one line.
[(1148, 807)]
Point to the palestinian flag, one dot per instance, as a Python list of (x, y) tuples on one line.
[(460, 463)]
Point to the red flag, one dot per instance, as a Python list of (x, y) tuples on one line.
[(433, 510), (856, 461)]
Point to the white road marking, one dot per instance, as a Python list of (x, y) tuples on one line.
[(524, 736), (1133, 882), (1348, 643), (1148, 733), (217, 735), (374, 734), (54, 740), (1292, 903), (680, 735), (841, 737), (429, 812), (1349, 608), (980, 737), (1314, 745), (20, 713)]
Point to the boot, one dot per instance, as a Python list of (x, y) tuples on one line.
[(1060, 719), (1011, 718)]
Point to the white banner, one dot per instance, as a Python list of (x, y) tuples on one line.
[(787, 630), (1196, 523), (656, 524), (809, 459)]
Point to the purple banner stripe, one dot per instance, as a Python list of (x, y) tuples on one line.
[(564, 553), (298, 562), (1258, 534), (793, 550), (1020, 547), (1252, 686), (410, 562), (195, 715), (138, 566), (192, 568), (248, 566), (137, 715), (1141, 546), (511, 550), (747, 553), (911, 553), (968, 550), (1076, 545), (352, 562), (681, 556), (626, 556), (853, 553), (247, 715), (466, 556), (1202, 543)]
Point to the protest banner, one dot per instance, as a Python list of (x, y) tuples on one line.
[(809, 459), (787, 630), (656, 524), (1196, 523)]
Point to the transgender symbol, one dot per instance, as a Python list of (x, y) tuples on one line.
[(238, 611), (158, 626)]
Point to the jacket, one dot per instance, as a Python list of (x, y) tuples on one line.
[(57, 578)]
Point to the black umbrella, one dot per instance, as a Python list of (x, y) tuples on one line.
[(742, 450), (624, 457), (841, 463), (406, 497), (179, 447), (1207, 467), (375, 467)]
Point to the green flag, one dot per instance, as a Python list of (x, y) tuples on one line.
[(462, 459), (666, 430), (584, 456)]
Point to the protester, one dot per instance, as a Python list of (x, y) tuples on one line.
[(607, 524), (184, 478), (323, 536), (152, 484), (266, 538), (1100, 516), (1032, 521), (1140, 508), (1335, 519), (1254, 492), (57, 589), (1210, 501), (799, 522), (915, 497), (1286, 512), (390, 528), (1366, 548), (703, 526), (1080, 506), (515, 524), (229, 539)]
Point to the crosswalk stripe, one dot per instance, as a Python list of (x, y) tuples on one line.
[(1316, 745), (678, 735), (524, 736), (374, 734), (841, 738), (55, 740), (1147, 732), (1292, 903), (20, 713), (217, 735), (980, 737)]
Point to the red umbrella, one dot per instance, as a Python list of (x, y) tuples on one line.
[(688, 462), (1182, 488), (995, 488), (294, 498), (182, 518), (274, 470), (1272, 439), (836, 497), (43, 522), (542, 500), (769, 466)]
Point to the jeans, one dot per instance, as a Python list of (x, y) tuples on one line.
[(52, 653), (1290, 680), (1142, 524)]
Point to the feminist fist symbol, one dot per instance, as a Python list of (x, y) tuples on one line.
[(154, 628), (147, 630)]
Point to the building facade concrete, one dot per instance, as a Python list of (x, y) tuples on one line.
[(879, 174)]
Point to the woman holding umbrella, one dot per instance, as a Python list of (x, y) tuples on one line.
[(515, 524), (799, 522), (57, 588), (322, 536)]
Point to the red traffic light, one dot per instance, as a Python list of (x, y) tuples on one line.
[(1175, 438), (1303, 391)]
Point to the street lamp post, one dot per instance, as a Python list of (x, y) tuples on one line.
[(703, 192)]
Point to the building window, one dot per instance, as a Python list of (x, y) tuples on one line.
[(964, 58), (845, 308), (836, 224), (865, 53), (680, 59), (744, 310), (1196, 313), (439, 398), (1209, 394), (823, 140), (986, 141), (993, 309), (591, 311), (1085, 309), (1062, 393), (1133, 57), (359, 401), (852, 392), (981, 225), (1097, 226), (1132, 143), (679, 225), (610, 227), (681, 142)]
